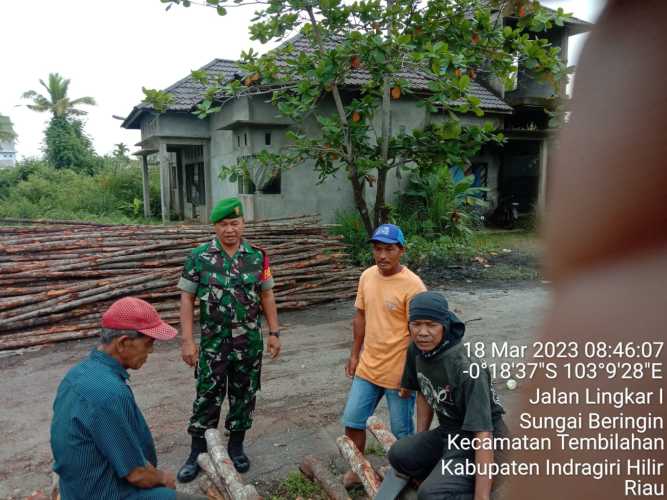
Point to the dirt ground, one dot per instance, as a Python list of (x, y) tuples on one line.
[(298, 409)]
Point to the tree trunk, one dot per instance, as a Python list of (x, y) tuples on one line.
[(357, 185), (360, 201), (380, 211)]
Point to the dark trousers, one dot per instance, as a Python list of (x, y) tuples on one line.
[(421, 457)]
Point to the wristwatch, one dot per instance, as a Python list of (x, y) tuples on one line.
[(275, 334)]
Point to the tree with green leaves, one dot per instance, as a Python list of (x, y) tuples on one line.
[(7, 132), (445, 43), (65, 144)]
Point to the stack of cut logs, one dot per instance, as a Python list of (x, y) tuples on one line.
[(56, 277), (221, 481)]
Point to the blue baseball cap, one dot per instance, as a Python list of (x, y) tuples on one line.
[(389, 233)]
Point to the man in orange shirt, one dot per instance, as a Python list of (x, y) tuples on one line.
[(380, 327)]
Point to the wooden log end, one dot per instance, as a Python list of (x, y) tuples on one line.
[(314, 470), (361, 467)]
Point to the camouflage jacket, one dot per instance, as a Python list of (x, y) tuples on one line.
[(228, 288)]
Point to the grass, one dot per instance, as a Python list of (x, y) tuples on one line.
[(487, 241), (374, 448), (297, 485)]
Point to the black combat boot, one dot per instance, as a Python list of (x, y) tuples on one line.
[(190, 468), (236, 453)]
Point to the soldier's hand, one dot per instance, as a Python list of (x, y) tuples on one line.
[(274, 346), (189, 353), (351, 366)]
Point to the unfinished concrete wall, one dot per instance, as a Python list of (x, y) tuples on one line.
[(247, 123), (174, 125), (222, 153)]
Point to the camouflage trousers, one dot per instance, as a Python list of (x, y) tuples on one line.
[(227, 366)]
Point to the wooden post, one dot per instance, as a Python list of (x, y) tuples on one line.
[(542, 180), (361, 467), (231, 479), (381, 433), (209, 175), (146, 186), (313, 469), (165, 182)]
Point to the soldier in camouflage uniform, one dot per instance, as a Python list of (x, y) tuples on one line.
[(232, 280)]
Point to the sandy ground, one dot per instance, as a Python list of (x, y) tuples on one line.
[(298, 410)]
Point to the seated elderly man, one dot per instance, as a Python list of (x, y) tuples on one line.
[(102, 447)]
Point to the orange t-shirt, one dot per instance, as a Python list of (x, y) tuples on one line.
[(384, 300)]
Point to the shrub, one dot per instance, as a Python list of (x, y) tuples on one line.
[(350, 226), (114, 194), (67, 146)]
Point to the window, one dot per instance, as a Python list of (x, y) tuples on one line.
[(238, 140), (267, 139), (245, 139), (246, 185)]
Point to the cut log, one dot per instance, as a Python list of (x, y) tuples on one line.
[(232, 482), (205, 462), (211, 491), (314, 470), (360, 466), (384, 436)]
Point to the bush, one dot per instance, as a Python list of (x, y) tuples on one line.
[(350, 226), (434, 204), (67, 146), (420, 249), (35, 190)]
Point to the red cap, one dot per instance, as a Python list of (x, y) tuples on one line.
[(130, 313)]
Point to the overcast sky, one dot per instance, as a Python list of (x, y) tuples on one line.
[(109, 49)]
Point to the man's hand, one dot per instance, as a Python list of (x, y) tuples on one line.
[(189, 352), (273, 346), (169, 479), (404, 393), (351, 366)]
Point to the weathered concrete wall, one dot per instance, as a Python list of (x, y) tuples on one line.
[(182, 125), (222, 153), (300, 192), (233, 111)]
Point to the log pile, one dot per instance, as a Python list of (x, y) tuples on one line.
[(56, 277)]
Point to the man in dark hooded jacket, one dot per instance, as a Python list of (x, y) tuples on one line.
[(439, 369)]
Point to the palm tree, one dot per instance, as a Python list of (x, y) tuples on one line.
[(121, 150), (57, 102)]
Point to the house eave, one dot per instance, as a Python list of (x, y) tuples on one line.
[(253, 123), (133, 119)]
